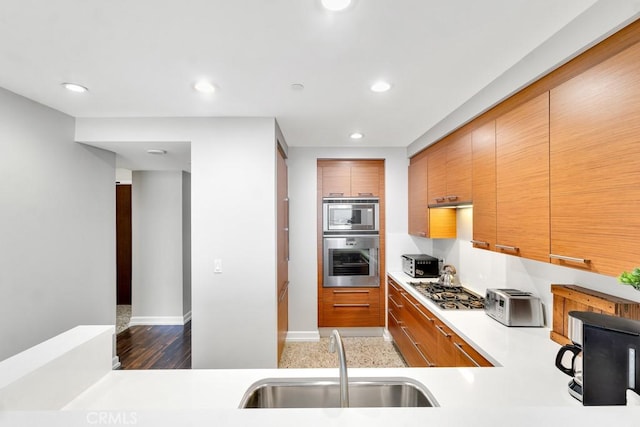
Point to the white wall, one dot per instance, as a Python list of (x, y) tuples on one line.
[(480, 269), (302, 162), (233, 189), (157, 242), (57, 227)]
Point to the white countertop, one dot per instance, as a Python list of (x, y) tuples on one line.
[(525, 389)]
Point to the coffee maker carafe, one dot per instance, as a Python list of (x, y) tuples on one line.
[(610, 358), (575, 349)]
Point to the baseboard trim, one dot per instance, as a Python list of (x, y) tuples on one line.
[(303, 336), (156, 320), (386, 335), (354, 332), (186, 317), (115, 363)]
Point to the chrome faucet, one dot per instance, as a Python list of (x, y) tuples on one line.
[(344, 380)]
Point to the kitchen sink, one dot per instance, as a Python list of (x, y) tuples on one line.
[(325, 393)]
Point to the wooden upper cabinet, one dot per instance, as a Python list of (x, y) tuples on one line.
[(484, 186), (522, 180), (365, 181), (418, 219), (450, 170), (437, 173), (432, 223), (350, 180), (595, 167), (459, 161), (336, 181)]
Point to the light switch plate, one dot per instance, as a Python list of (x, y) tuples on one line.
[(217, 266)]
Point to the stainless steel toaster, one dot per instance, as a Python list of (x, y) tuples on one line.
[(513, 307)]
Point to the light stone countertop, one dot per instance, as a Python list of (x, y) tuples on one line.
[(525, 389)]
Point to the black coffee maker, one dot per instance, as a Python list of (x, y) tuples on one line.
[(610, 357)]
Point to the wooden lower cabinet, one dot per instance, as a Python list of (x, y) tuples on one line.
[(422, 338), (351, 307)]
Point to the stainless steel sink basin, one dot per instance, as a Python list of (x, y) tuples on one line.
[(325, 393)]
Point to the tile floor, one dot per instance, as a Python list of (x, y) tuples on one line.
[(123, 316), (361, 352)]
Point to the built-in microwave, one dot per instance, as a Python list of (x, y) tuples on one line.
[(350, 215)]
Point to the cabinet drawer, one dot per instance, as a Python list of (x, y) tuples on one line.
[(351, 295), (352, 307), (421, 325)]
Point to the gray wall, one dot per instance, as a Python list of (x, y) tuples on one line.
[(233, 164), (157, 247), (186, 244), (57, 227)]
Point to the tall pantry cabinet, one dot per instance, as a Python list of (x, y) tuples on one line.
[(282, 248)]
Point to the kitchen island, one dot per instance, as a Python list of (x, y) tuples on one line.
[(524, 389)]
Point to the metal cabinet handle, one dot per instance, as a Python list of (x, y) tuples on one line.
[(508, 248), (395, 319), (394, 301), (439, 199), (419, 310), (351, 305), (569, 258), (459, 347), (365, 194), (442, 331), (336, 194), (350, 291), (416, 346), (286, 228), (480, 242), (393, 285), (285, 288), (452, 198)]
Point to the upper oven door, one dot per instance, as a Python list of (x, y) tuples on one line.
[(349, 215)]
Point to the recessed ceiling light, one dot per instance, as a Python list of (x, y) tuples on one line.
[(336, 5), (356, 135), (204, 87), (156, 151), (74, 87), (380, 86)]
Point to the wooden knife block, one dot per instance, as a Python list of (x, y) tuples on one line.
[(568, 298)]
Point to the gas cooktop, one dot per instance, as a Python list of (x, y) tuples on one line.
[(449, 297)]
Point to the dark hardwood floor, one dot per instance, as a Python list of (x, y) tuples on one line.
[(155, 347)]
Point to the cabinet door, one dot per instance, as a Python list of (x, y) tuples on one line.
[(522, 180), (418, 216), (336, 181), (595, 167), (437, 173), (459, 170), (365, 181), (484, 186)]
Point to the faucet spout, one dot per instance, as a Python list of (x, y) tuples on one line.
[(336, 341)]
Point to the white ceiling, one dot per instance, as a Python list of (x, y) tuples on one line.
[(140, 58)]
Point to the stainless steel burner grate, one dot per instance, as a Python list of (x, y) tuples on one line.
[(450, 297)]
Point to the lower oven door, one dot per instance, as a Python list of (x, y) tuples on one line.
[(351, 261)]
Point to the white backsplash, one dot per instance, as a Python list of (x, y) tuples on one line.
[(480, 269)]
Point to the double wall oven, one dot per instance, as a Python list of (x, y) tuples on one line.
[(351, 242)]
